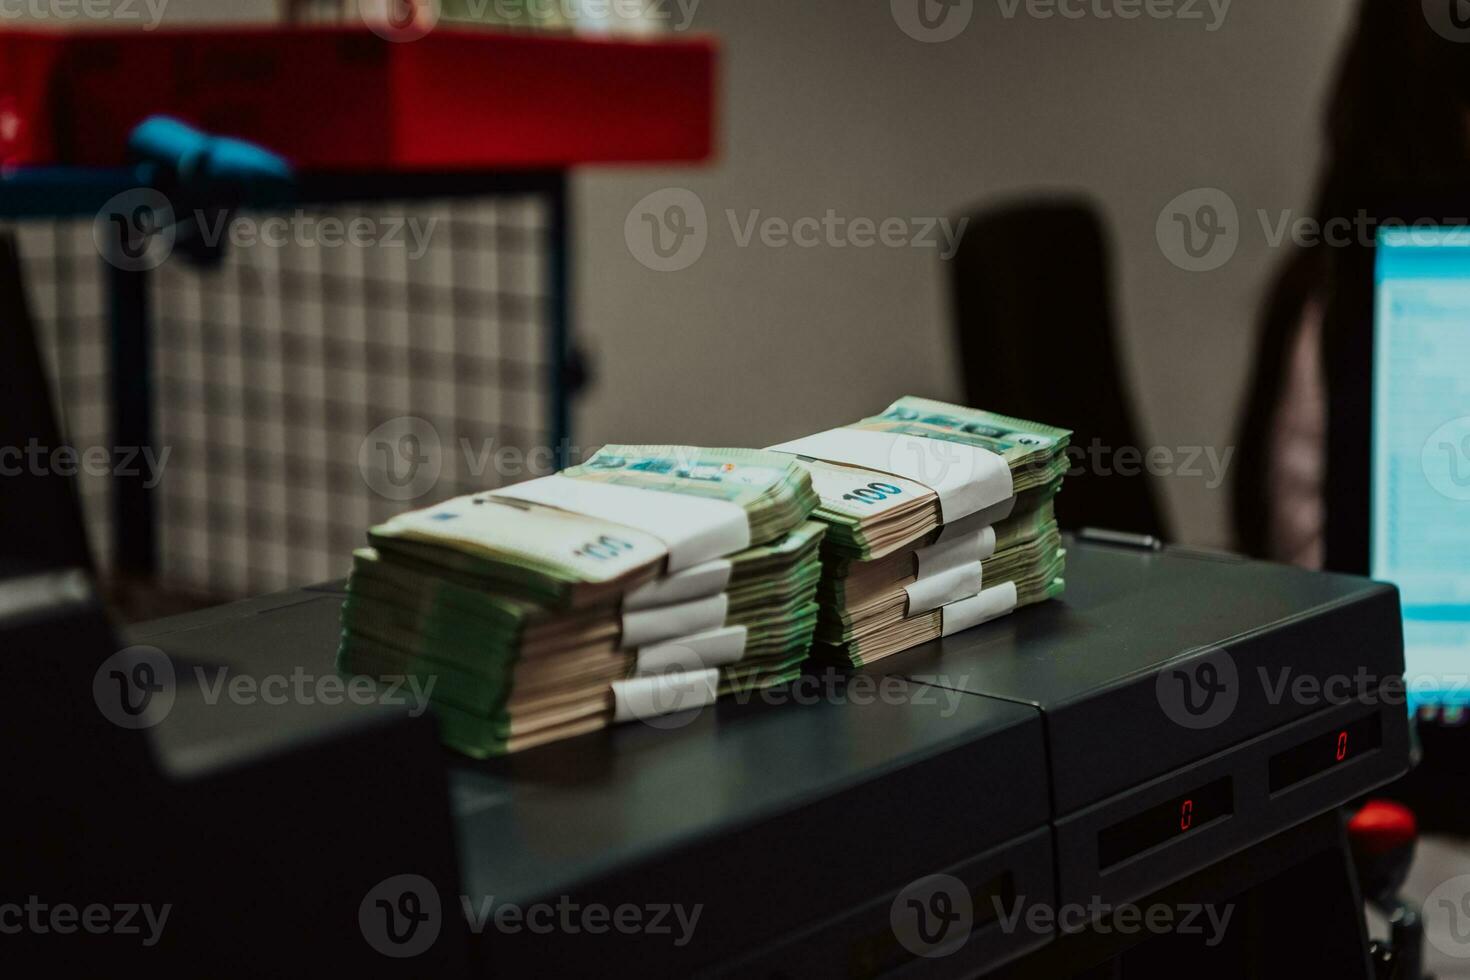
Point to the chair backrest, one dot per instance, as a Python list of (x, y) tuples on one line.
[(82, 784), (1034, 311), (93, 818), (40, 510)]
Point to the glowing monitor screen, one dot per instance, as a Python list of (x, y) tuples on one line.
[(1420, 521)]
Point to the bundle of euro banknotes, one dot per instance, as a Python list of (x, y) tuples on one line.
[(939, 518), (654, 579), (648, 581)]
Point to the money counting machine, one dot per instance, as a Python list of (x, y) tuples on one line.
[(1143, 776)]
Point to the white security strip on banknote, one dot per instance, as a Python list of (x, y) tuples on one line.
[(952, 585), (712, 648), (664, 694), (990, 604), (838, 485), (591, 550), (711, 578), (695, 529), (647, 626), (976, 521), (939, 558), (967, 479)]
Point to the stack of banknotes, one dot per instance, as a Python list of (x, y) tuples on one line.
[(939, 518), (650, 580)]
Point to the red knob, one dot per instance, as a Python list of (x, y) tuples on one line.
[(1381, 827)]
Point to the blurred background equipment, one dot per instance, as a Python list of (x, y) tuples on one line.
[(281, 383), (1033, 299), (532, 15)]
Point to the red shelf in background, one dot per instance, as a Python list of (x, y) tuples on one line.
[(341, 98)]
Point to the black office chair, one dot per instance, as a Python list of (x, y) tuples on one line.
[(263, 857), (1032, 286), (41, 517)]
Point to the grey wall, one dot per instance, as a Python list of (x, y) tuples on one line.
[(828, 104)]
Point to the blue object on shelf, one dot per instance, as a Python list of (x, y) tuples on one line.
[(205, 167), (207, 175)]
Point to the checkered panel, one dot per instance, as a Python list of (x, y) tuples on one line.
[(272, 370)]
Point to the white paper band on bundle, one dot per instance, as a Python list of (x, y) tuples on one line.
[(930, 593), (966, 478), (664, 694), (713, 648), (708, 579), (988, 605), (939, 558), (695, 529), (646, 626), (988, 517)]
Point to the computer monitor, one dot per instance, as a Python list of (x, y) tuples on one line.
[(1419, 516)]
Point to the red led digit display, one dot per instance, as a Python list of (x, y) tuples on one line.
[(1159, 824), (1326, 751)]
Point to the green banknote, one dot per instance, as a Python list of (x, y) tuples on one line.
[(847, 647), (1029, 448), (501, 628), (509, 673), (775, 491), (525, 550), (433, 579), (1027, 562), (379, 643), (871, 514)]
